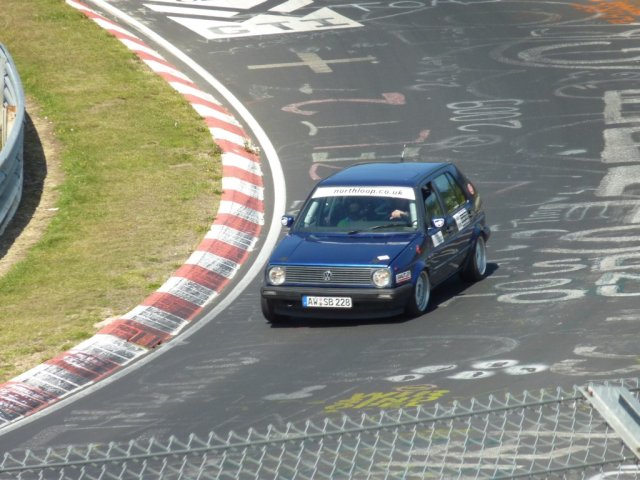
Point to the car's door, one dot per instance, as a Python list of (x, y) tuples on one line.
[(439, 252), (457, 228)]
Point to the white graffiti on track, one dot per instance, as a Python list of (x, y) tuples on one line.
[(483, 369), (215, 20), (610, 250), (578, 48), (392, 98), (436, 72), (486, 113)]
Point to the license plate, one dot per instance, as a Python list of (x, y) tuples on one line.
[(326, 302)]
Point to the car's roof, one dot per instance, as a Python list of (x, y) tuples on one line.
[(382, 173)]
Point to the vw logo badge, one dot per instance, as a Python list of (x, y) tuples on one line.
[(327, 276)]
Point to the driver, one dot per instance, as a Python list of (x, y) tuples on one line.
[(355, 212)]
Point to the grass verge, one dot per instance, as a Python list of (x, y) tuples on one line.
[(125, 170)]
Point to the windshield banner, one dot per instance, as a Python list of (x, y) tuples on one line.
[(360, 191)]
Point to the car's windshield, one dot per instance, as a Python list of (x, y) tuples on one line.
[(359, 209)]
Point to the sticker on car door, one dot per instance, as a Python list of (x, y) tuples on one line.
[(462, 218), (437, 239)]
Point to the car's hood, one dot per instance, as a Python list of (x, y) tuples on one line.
[(341, 249)]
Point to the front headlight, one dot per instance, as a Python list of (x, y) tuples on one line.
[(381, 277), (277, 275)]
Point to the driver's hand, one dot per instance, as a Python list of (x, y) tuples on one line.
[(397, 214)]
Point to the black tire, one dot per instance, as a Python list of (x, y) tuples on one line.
[(421, 293), (269, 313), (476, 266)]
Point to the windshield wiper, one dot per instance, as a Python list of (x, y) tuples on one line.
[(380, 227), (388, 225)]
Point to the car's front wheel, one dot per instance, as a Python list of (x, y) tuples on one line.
[(476, 266), (419, 300), (268, 311)]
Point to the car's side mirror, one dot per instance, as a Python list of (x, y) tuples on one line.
[(287, 220)]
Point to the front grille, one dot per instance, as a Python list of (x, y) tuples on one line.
[(338, 275)]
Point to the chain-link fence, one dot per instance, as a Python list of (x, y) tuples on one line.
[(556, 434)]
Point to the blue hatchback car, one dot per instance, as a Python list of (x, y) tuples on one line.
[(373, 239)]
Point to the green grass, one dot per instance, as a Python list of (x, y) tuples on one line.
[(139, 189)]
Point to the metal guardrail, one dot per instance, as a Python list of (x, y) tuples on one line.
[(536, 435), (12, 117)]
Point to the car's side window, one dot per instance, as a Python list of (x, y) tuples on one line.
[(432, 206), (451, 193), (311, 215)]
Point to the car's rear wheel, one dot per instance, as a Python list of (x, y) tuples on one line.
[(419, 300), (269, 313), (476, 266)]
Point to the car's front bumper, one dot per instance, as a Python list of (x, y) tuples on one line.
[(367, 302)]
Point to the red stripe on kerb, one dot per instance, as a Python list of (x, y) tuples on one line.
[(147, 56), (136, 332), (223, 249), (132, 39), (92, 15), (202, 276), (84, 364), (78, 373), (169, 303), (20, 403), (170, 78), (242, 224), (125, 36), (245, 200), (237, 172), (213, 122), (227, 146), (41, 396), (194, 99)]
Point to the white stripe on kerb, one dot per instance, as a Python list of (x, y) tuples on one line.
[(222, 134), (164, 68), (236, 238), (112, 27), (112, 345), (54, 373), (187, 290), (138, 47), (156, 318), (185, 89), (214, 263), (206, 111), (242, 211), (40, 373), (42, 384), (231, 159), (247, 188)]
